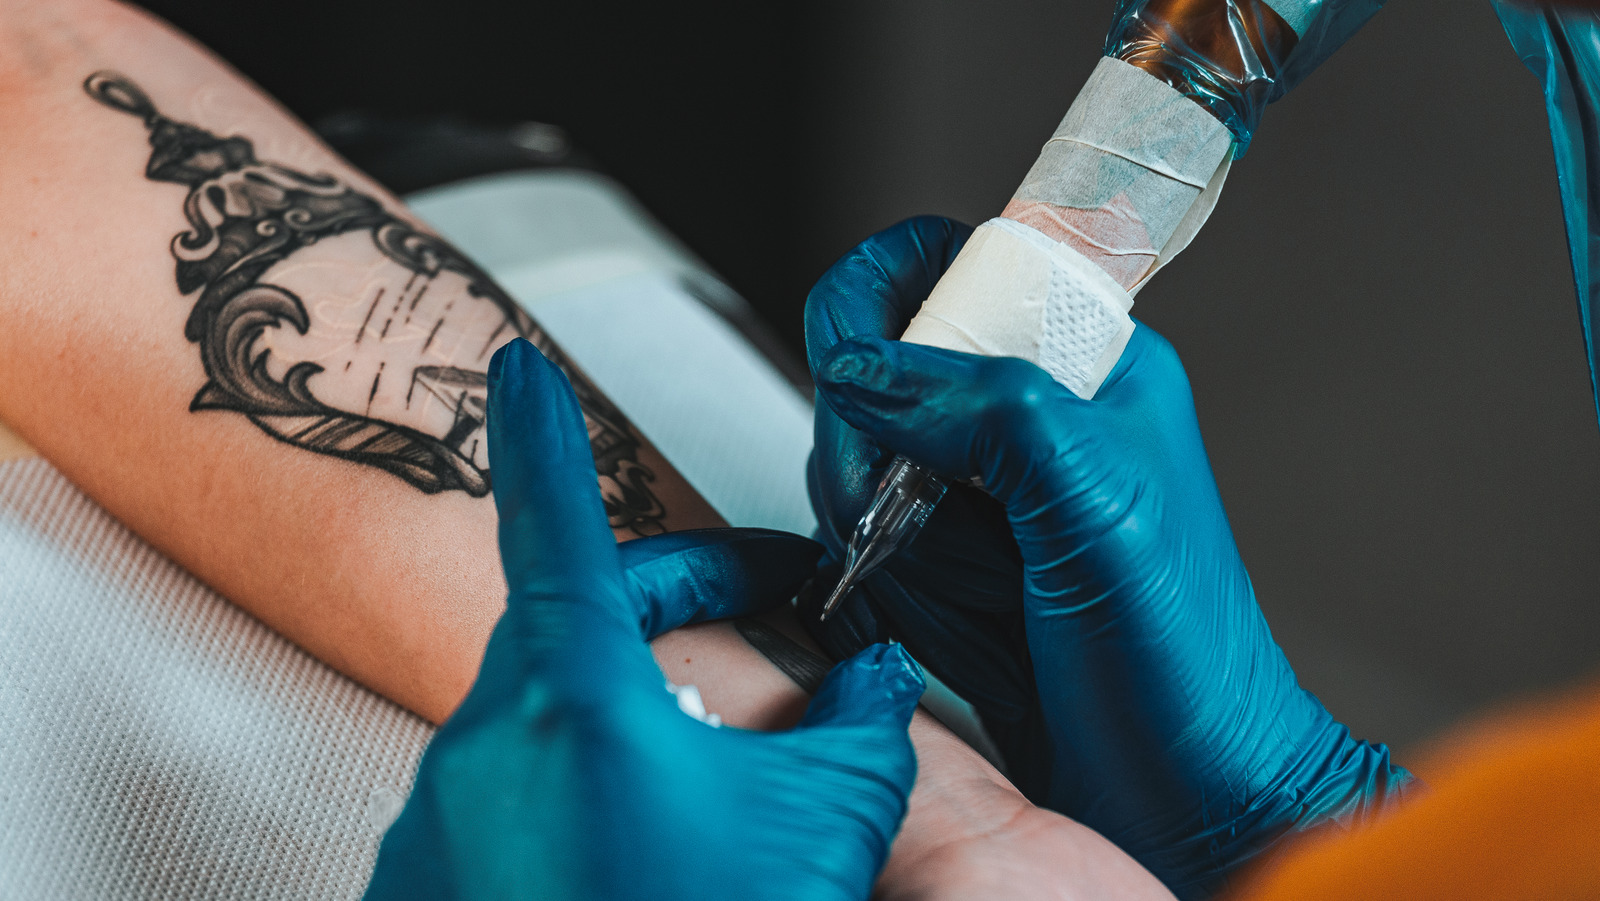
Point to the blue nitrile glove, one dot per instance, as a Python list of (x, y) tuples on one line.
[(952, 594), (570, 772), (1561, 46), (1234, 57), (1175, 725)]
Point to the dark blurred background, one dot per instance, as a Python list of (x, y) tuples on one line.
[(1379, 320)]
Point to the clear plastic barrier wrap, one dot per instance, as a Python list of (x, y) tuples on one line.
[(1233, 57)]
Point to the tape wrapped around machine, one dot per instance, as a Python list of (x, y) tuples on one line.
[(1014, 292), (1131, 143)]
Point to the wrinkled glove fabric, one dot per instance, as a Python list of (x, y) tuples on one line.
[(1093, 603), (1561, 46), (570, 771)]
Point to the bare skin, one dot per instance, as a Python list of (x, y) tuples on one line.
[(12, 447), (386, 571), (968, 832)]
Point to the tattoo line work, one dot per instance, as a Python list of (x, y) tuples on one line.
[(293, 272), (793, 659)]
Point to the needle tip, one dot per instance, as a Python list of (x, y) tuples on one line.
[(832, 603)]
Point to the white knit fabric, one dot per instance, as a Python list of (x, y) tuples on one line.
[(158, 742)]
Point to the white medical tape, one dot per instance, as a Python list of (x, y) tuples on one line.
[(1129, 133), (1194, 217), (1155, 166), (1014, 292), (1129, 140)]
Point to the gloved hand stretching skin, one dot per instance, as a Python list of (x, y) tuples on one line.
[(1171, 722), (571, 772)]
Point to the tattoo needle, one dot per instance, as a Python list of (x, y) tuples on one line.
[(904, 499)]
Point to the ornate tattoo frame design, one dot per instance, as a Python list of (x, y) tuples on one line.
[(244, 217)]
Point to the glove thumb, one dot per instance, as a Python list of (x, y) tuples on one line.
[(877, 688), (855, 735), (844, 774)]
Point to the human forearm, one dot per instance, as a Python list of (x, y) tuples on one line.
[(346, 509)]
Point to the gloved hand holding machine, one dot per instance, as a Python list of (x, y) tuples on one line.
[(1122, 187), (1121, 663)]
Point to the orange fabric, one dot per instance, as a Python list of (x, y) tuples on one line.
[(1512, 811)]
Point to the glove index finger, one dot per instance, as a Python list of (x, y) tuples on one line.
[(554, 537), (709, 574), (963, 415)]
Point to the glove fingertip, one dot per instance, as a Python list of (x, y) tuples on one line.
[(531, 405), (880, 686), (902, 673)]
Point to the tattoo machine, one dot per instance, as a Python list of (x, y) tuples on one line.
[(1123, 186)]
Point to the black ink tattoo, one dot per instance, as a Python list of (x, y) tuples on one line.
[(258, 230), (803, 668)]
